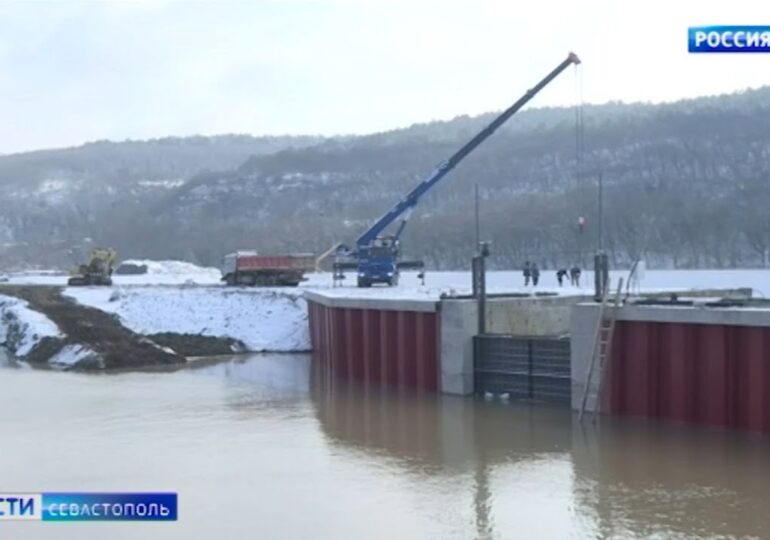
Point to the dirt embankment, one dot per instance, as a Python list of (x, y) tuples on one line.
[(116, 346), (197, 345)]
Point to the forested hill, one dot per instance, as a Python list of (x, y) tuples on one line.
[(686, 184)]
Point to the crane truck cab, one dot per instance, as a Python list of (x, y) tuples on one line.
[(377, 263)]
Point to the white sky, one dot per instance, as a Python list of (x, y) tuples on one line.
[(73, 71)]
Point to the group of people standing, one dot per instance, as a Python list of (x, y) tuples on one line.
[(532, 272)]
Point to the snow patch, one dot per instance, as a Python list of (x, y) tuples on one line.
[(71, 355), (169, 272), (49, 186), (173, 267), (21, 328), (167, 184)]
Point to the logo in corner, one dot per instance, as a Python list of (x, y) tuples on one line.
[(731, 39)]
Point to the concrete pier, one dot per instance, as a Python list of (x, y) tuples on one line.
[(698, 364)]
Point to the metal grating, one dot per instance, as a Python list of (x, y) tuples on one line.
[(526, 368)]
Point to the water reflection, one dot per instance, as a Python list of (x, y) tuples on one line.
[(278, 384), (623, 478), (645, 478), (444, 433)]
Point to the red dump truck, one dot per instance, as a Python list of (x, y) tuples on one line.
[(251, 268)]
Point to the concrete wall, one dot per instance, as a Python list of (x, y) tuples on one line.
[(459, 322), (583, 321), (533, 316)]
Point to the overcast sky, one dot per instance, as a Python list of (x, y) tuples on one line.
[(75, 71)]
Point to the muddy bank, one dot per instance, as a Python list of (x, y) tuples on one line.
[(90, 339), (196, 345)]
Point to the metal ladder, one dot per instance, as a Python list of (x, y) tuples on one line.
[(605, 328)]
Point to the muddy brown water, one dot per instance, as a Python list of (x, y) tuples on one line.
[(261, 447)]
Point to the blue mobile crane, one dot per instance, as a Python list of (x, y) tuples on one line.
[(376, 257)]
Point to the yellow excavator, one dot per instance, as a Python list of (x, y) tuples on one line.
[(98, 269)]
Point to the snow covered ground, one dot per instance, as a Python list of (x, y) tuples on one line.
[(263, 319), (275, 319), (158, 273), (21, 328), (437, 283), (182, 298), (169, 272)]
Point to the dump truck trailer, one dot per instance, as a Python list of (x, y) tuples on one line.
[(252, 269)]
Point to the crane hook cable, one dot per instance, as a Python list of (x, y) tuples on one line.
[(580, 176), (579, 125)]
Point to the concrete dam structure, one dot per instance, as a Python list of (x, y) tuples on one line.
[(694, 362), (424, 344)]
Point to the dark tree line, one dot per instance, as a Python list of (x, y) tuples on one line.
[(685, 185)]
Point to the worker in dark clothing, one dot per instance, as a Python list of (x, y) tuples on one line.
[(560, 275), (527, 273), (574, 276), (535, 271)]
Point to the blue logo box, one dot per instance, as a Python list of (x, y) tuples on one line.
[(728, 39), (109, 507), (88, 506)]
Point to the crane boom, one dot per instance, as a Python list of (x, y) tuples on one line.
[(403, 207), (377, 255)]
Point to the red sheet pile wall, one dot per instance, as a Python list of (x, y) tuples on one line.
[(707, 374), (396, 348)]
